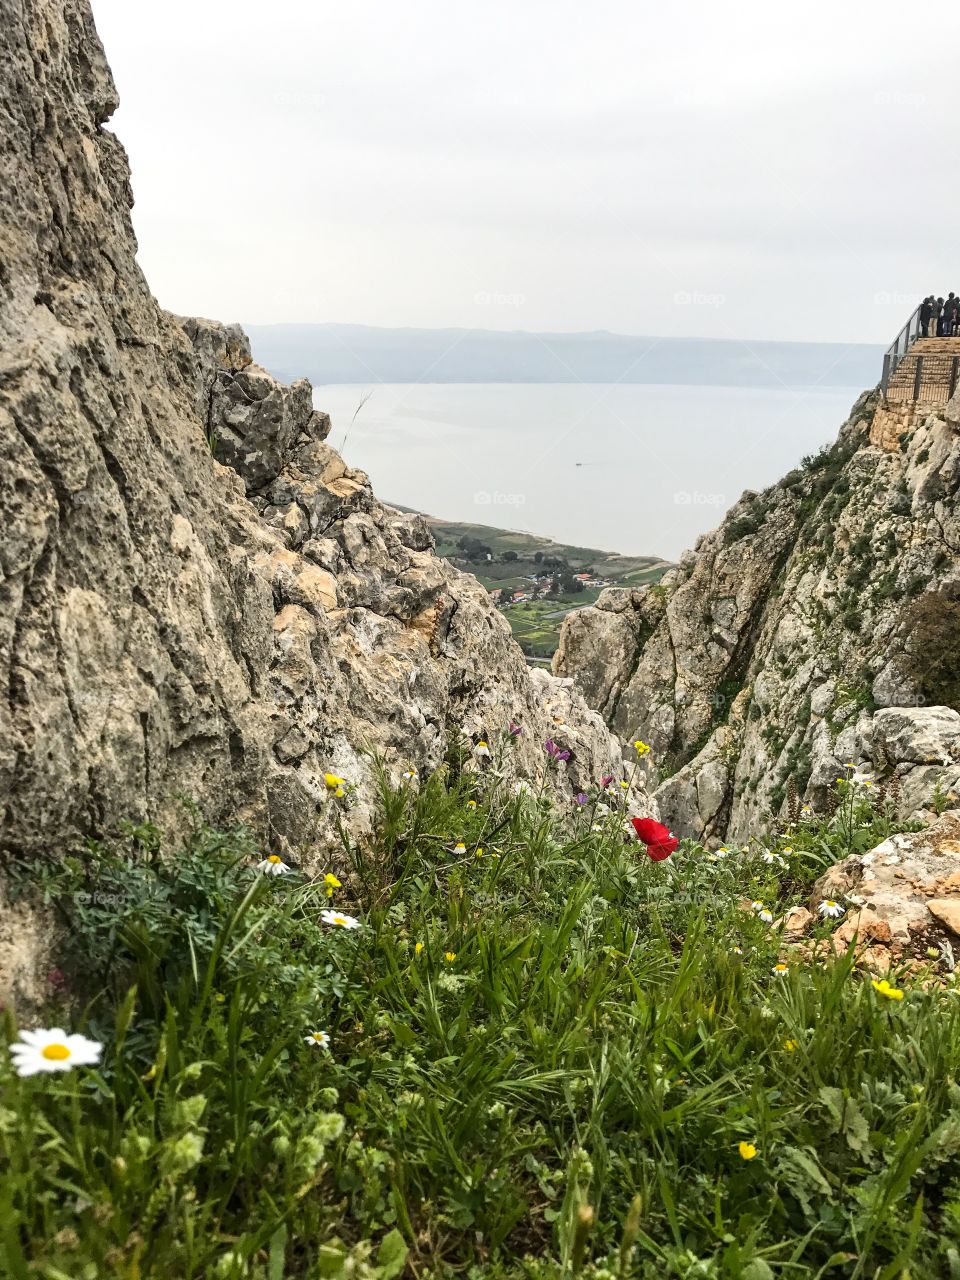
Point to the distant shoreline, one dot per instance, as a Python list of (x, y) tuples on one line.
[(340, 355)]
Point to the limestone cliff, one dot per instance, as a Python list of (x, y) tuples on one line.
[(772, 650), (198, 597)]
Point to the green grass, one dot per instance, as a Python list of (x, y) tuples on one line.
[(564, 1096)]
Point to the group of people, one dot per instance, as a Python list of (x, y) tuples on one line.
[(940, 318)]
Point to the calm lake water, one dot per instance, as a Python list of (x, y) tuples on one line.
[(637, 469)]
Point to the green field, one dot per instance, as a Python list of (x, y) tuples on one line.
[(536, 623)]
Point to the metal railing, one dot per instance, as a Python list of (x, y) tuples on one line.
[(899, 348), (935, 380)]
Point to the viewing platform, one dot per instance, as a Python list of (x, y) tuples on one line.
[(918, 370)]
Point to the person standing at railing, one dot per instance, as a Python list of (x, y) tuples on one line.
[(926, 312), (949, 315), (936, 320)]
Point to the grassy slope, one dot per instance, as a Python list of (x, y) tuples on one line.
[(549, 1050)]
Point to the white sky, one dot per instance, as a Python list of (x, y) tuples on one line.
[(790, 171)]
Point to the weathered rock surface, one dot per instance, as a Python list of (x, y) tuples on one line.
[(776, 649), (902, 898), (170, 625)]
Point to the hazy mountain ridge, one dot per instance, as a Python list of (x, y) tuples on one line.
[(339, 353)]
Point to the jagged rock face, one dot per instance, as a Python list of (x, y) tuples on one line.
[(763, 656), (170, 625)]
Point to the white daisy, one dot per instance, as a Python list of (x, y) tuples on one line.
[(339, 920), (53, 1050), (830, 908), (772, 858), (781, 970), (458, 849), (274, 865), (756, 906), (320, 1038), (410, 775), (765, 915), (481, 750)]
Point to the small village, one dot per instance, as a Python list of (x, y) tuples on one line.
[(546, 587)]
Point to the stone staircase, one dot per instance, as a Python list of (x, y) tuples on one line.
[(928, 374)]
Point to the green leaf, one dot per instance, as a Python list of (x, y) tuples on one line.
[(278, 1249), (391, 1256), (756, 1270)]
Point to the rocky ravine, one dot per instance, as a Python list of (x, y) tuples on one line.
[(175, 625), (778, 648)]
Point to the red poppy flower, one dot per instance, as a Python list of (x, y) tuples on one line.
[(660, 841)]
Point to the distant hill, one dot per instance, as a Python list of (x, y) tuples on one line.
[(344, 353)]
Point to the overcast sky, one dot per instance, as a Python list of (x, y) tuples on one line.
[(703, 168)]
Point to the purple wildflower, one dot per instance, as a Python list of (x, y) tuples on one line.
[(581, 798), (515, 729), (606, 780), (555, 752)]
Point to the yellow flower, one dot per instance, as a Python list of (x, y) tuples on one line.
[(790, 1045), (331, 882), (625, 785), (479, 853), (418, 948), (884, 988), (747, 1150), (641, 747), (449, 956), (334, 784)]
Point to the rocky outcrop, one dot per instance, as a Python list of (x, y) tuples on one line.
[(765, 656), (198, 597), (902, 899)]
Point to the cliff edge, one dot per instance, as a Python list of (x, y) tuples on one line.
[(198, 597)]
